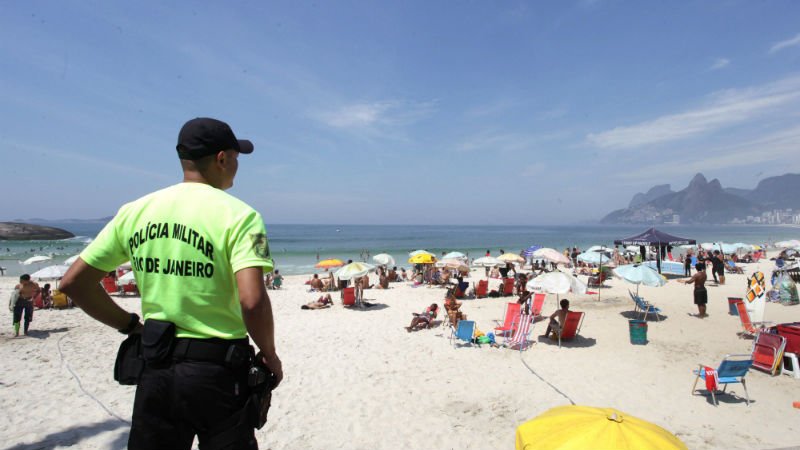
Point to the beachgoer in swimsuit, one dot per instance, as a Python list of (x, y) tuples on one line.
[(27, 290), (558, 318), (423, 319), (700, 293), (323, 302)]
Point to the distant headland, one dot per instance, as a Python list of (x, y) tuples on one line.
[(15, 231)]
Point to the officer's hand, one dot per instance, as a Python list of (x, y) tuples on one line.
[(273, 363)]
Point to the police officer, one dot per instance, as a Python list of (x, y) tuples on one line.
[(198, 256)]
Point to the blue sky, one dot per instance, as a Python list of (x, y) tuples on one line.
[(398, 112)]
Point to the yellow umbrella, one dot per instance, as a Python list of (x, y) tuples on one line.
[(422, 258), (328, 263), (580, 427)]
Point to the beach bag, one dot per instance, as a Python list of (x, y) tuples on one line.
[(787, 290)]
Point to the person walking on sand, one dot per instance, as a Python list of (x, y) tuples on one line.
[(27, 290), (700, 293), (199, 255)]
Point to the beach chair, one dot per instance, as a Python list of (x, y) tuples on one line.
[(349, 296), (110, 285), (572, 325), (749, 329), (130, 288), (464, 331), (522, 330), (598, 280), (482, 289), (461, 289), (644, 307), (538, 303), (733, 268), (508, 286), (768, 352), (511, 319), (732, 369)]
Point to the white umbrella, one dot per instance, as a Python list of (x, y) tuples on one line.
[(50, 272), (354, 270), (551, 255), (36, 259), (71, 260), (419, 252), (640, 274), (599, 248), (126, 278), (454, 255), (383, 259), (788, 244), (556, 283), (488, 261), (707, 246), (453, 263)]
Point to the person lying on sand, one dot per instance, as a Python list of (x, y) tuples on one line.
[(424, 319), (323, 302)]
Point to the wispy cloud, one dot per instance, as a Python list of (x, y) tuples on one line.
[(720, 63), (505, 142), (365, 115), (722, 109), (780, 147), (778, 46)]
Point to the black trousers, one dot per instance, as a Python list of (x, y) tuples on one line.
[(189, 398)]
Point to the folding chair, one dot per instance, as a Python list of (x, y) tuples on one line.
[(732, 369), (572, 326), (510, 320), (464, 331), (538, 303), (768, 352), (748, 328), (349, 296), (523, 330), (508, 286), (482, 289), (645, 307)]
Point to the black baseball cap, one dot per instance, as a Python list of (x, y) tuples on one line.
[(204, 136)]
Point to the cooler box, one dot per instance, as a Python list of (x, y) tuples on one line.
[(790, 331), (59, 299), (638, 331), (732, 301)]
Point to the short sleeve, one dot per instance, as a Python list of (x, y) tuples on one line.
[(249, 244), (106, 251)]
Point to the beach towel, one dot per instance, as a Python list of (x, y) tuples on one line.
[(711, 379)]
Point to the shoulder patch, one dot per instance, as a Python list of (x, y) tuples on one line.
[(260, 245)]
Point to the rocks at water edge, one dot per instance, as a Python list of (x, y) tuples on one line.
[(14, 231)]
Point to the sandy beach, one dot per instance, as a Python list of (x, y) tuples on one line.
[(355, 379)]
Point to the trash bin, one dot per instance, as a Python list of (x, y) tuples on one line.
[(638, 331), (732, 301)]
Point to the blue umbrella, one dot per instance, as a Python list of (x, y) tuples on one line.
[(529, 251), (594, 258), (640, 274)]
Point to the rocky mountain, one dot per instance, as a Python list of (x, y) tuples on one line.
[(13, 231), (702, 201), (652, 194), (777, 192)]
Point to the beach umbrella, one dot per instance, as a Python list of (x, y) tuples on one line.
[(556, 282), (600, 249), (454, 255), (329, 263), (707, 246), (422, 258), (788, 244), (578, 427), (726, 248), (383, 259), (511, 257), (420, 252), (551, 255), (354, 270), (528, 252), (36, 259), (71, 260), (488, 261), (453, 263), (50, 272), (640, 274), (596, 258)]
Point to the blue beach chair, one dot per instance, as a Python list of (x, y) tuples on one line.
[(732, 369), (464, 332), (645, 307)]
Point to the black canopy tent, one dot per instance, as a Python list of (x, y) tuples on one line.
[(655, 237)]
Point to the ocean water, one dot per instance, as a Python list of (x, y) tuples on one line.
[(296, 248)]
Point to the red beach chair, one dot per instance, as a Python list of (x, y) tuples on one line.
[(110, 285), (482, 289), (749, 328), (572, 326), (511, 319), (768, 352), (523, 329), (349, 298), (538, 303), (508, 286)]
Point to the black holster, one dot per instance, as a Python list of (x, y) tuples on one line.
[(130, 363), (261, 382), (158, 341)]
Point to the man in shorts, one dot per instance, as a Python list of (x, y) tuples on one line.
[(24, 305), (199, 257)]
